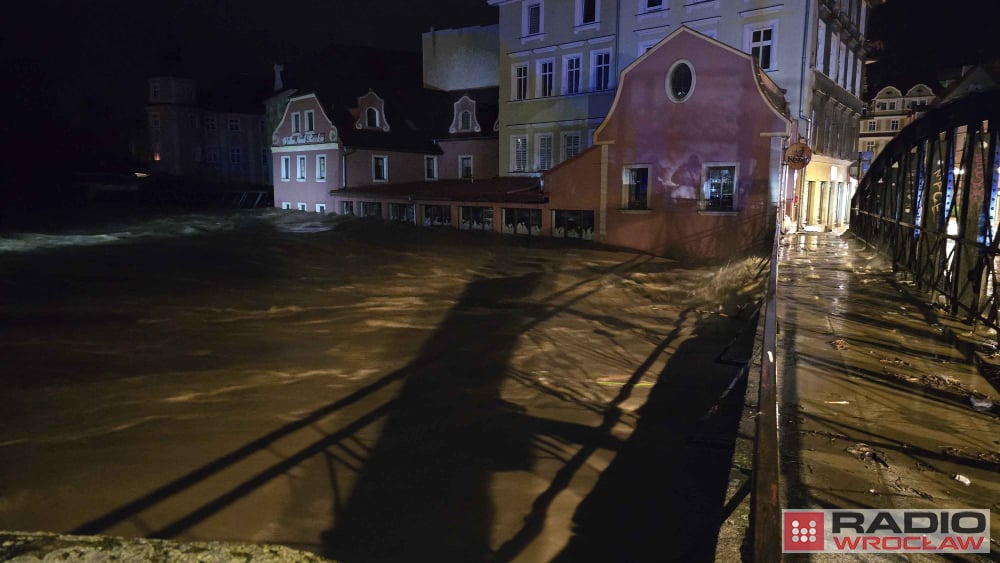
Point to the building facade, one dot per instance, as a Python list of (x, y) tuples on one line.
[(888, 112), (560, 60), (191, 139)]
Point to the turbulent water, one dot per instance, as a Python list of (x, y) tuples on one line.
[(276, 376)]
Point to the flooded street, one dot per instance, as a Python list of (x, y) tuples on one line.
[(366, 391), (882, 405)]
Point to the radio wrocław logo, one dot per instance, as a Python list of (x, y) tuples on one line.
[(880, 531)]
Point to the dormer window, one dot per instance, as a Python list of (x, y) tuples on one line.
[(310, 120), (296, 122), (371, 118), (464, 118), (370, 113)]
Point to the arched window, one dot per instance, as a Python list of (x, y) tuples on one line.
[(680, 81), (465, 121), (371, 117)]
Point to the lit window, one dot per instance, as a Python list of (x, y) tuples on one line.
[(571, 85), (371, 117), (465, 167), (521, 82), (310, 120), (380, 168), (300, 168), (719, 188), (321, 167), (636, 188), (519, 151)]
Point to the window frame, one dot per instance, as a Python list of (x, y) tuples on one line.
[(514, 152), (567, 82), (286, 205), (347, 207), (704, 200), (627, 192), (749, 44), (235, 155), (285, 174), (472, 169), (211, 123), (235, 125), (310, 121), (543, 76), (300, 168), (539, 138), (369, 112), (526, 30), (433, 161), (668, 81), (296, 122), (564, 141), (303, 206), (385, 168), (581, 24), (154, 120), (519, 83), (320, 167), (595, 67), (321, 208)]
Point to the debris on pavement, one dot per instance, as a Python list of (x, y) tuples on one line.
[(980, 404), (962, 479), (836, 402), (895, 362), (839, 344), (864, 452), (991, 458)]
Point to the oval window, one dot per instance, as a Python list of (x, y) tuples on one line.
[(680, 81)]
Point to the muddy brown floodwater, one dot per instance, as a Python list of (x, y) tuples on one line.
[(367, 391)]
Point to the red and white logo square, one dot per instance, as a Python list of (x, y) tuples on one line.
[(802, 531)]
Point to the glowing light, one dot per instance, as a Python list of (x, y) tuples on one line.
[(141, 175)]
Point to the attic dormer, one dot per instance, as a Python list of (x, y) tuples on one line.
[(371, 113), (464, 119)]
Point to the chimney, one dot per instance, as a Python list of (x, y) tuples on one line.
[(278, 85)]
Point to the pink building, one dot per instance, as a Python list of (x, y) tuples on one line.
[(687, 162)]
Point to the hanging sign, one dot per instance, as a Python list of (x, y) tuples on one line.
[(798, 155)]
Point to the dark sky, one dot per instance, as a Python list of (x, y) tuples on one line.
[(76, 71), (925, 37)]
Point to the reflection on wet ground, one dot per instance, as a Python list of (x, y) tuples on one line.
[(882, 404)]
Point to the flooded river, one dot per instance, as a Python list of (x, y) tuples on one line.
[(358, 389)]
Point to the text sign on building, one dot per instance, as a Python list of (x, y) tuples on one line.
[(798, 155), (303, 138), (886, 531)]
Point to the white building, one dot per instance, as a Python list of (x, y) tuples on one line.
[(889, 111), (560, 60)]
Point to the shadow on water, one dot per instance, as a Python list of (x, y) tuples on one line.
[(663, 497), (423, 493)]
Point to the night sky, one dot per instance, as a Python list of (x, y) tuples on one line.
[(75, 71)]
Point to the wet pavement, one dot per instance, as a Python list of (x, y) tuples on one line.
[(884, 399)]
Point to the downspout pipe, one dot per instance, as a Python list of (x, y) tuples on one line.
[(806, 31)]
